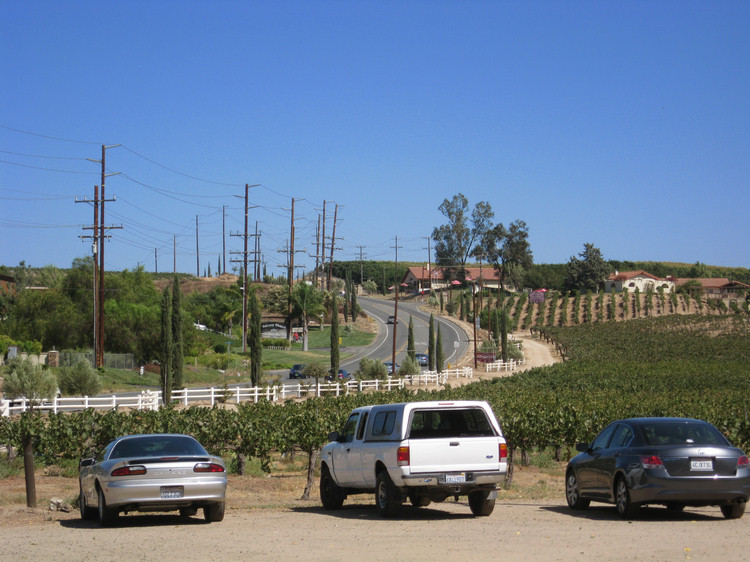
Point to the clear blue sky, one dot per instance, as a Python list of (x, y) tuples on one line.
[(621, 124)]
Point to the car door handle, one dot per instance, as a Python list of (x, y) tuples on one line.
[(454, 443)]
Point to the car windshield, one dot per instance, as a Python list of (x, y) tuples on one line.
[(157, 446), (682, 433)]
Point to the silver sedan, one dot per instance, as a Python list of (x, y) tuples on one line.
[(160, 472)]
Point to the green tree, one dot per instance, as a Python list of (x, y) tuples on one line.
[(431, 344), (255, 339), (334, 335), (509, 251), (28, 380), (411, 352), (439, 360), (460, 238), (178, 357), (588, 272), (167, 348), (307, 303)]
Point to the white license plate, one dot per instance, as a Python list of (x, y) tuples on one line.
[(171, 492), (701, 464), (455, 478)]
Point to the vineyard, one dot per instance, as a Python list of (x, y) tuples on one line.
[(693, 366)]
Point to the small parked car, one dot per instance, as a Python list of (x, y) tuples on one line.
[(675, 462), (296, 372), (155, 472), (344, 376), (422, 359), (389, 367)]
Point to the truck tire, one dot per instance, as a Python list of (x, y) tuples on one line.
[(331, 494), (387, 497), (419, 500), (479, 503)]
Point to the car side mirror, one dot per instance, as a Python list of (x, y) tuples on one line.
[(87, 462), (582, 447), (333, 436)]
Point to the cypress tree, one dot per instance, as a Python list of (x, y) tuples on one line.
[(334, 337), (256, 340), (439, 352), (411, 353), (353, 308), (166, 346), (431, 344), (178, 354)]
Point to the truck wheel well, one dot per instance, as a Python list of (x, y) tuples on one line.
[(379, 467)]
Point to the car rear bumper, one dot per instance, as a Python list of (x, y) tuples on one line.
[(691, 491), (147, 494), (440, 479)]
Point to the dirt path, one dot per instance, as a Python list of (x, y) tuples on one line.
[(445, 532)]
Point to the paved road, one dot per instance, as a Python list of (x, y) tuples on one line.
[(454, 340)]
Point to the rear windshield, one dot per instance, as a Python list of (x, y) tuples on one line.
[(682, 433), (472, 422), (157, 446)]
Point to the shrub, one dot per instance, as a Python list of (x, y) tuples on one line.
[(370, 369), (79, 380)]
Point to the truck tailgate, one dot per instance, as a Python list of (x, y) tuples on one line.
[(458, 454)]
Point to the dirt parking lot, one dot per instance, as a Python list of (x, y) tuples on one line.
[(261, 525)]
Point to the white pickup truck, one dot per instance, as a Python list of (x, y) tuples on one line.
[(423, 451)]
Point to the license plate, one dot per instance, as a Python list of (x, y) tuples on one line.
[(455, 478), (171, 492), (701, 464)]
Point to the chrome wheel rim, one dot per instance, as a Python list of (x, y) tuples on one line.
[(572, 489)]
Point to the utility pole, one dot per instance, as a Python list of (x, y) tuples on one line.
[(197, 252), (99, 350), (244, 268), (361, 265), (395, 311), (174, 253), (224, 237), (156, 261), (333, 244), (323, 248)]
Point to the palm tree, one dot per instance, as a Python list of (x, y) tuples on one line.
[(307, 302)]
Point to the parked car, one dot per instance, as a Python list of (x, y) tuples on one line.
[(296, 371), (157, 472), (344, 376), (389, 367), (675, 462), (422, 359)]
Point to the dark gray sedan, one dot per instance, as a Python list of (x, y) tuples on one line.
[(675, 462), (161, 472)]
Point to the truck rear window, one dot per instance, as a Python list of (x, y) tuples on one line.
[(468, 422)]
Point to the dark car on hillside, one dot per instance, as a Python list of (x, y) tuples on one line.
[(675, 462), (296, 372)]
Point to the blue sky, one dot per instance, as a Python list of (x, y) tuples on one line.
[(621, 124)]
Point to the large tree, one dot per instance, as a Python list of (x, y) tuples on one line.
[(461, 236), (588, 272), (307, 303), (508, 249)]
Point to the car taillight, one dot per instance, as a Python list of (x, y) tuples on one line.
[(208, 467), (503, 451), (129, 471), (743, 461), (402, 456), (651, 461)]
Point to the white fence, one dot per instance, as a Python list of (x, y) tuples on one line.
[(150, 400), (503, 365)]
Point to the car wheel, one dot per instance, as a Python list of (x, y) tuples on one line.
[(387, 498), (214, 513), (625, 507), (87, 513), (331, 495), (733, 510), (419, 500), (573, 494), (107, 515), (480, 504)]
